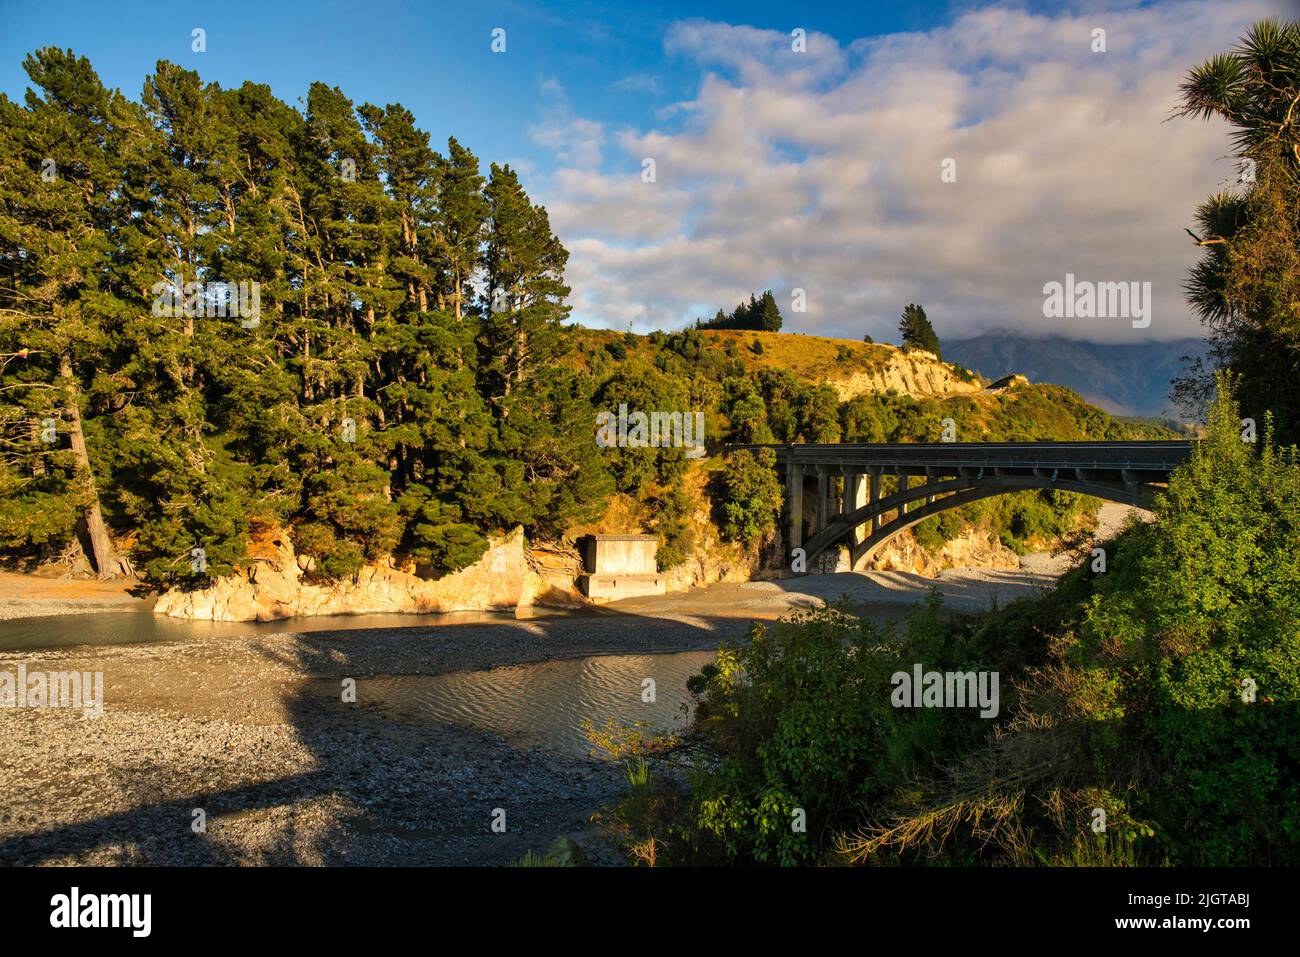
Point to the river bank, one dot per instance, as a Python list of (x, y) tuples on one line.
[(237, 727), (32, 596), (244, 727), (230, 725)]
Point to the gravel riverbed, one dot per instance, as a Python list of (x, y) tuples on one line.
[(226, 727), (227, 730)]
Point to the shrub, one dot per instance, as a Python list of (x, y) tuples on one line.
[(750, 496), (672, 523)]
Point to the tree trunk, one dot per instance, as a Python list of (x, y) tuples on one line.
[(107, 562)]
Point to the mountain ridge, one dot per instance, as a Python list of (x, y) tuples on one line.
[(1121, 378)]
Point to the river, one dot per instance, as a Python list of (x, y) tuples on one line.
[(453, 717)]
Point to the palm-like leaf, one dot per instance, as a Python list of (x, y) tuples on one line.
[(1269, 49), (1216, 87), (1220, 216)]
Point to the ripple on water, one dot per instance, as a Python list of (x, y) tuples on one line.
[(543, 705)]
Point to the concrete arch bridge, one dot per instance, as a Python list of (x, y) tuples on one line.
[(844, 482)]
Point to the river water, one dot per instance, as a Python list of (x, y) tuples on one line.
[(542, 705), (139, 627)]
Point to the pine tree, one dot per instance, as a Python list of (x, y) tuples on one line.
[(58, 206), (523, 305), (462, 216), (768, 318), (371, 405), (917, 332)]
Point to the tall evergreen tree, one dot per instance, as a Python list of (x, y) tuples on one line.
[(917, 332), (405, 386), (59, 205)]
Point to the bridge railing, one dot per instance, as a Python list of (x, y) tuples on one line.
[(1137, 456)]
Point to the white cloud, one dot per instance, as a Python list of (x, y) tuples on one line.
[(576, 142), (638, 83), (822, 171)]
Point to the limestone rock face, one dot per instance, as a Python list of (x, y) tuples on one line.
[(971, 549), (273, 587), (915, 373), (711, 559)]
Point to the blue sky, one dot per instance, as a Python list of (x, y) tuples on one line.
[(434, 58), (818, 172)]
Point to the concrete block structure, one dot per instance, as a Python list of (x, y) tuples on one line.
[(620, 566)]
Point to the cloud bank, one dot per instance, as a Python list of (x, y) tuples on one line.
[(823, 171)]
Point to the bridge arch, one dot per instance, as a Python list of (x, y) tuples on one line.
[(953, 474), (961, 492)]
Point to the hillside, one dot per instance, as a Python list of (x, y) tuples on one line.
[(850, 366), (1011, 407), (763, 387)]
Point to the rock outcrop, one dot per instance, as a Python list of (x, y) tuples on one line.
[(971, 549), (274, 587), (914, 373)]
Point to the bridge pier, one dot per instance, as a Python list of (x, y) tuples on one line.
[(876, 520), (855, 496), (793, 507), (823, 498)]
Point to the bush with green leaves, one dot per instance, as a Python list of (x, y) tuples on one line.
[(672, 523), (749, 494), (798, 735), (1190, 649)]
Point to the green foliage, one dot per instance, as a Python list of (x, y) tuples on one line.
[(331, 557), (643, 388), (933, 532), (750, 496), (1246, 286), (672, 522), (761, 313), (1199, 603), (437, 533), (917, 332), (800, 729), (381, 398), (1165, 692)]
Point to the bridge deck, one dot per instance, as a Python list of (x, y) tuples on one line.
[(908, 456)]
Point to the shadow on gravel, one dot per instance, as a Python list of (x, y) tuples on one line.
[(378, 790)]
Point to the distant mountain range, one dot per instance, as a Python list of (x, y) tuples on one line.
[(1123, 379)]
